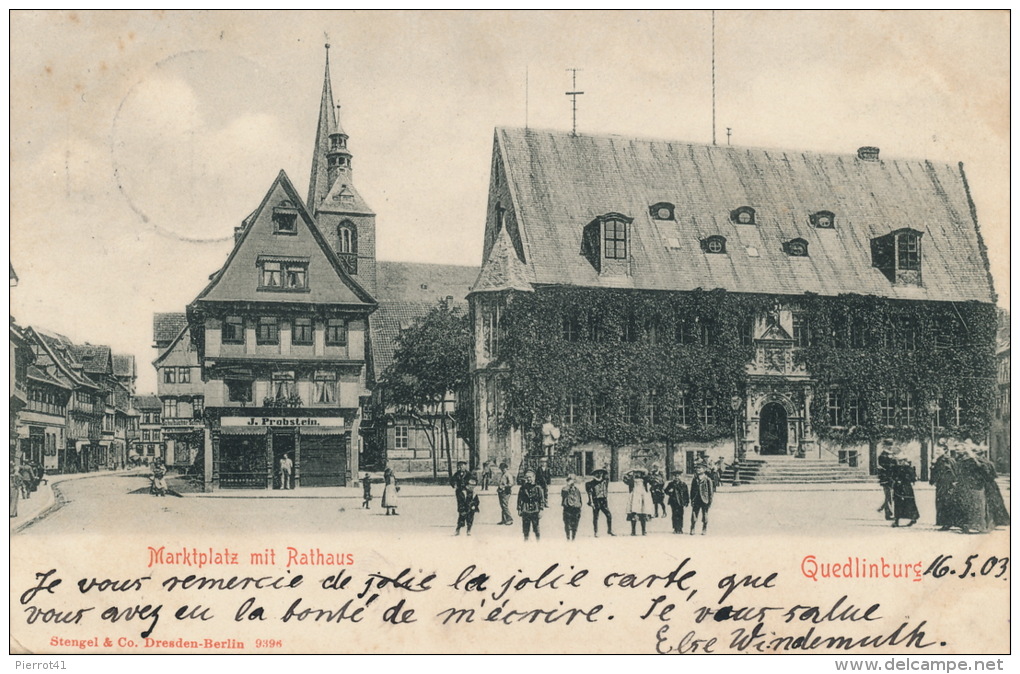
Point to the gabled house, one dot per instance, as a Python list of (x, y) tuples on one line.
[(180, 389), (280, 338), (663, 301)]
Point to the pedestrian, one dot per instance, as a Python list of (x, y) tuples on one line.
[(543, 478), (459, 481), (904, 505), (886, 462), (159, 486), (27, 477), (485, 476), (286, 472), (971, 497), (467, 506), (679, 498), (702, 491), (571, 507), (944, 477), (639, 507), (366, 490), (656, 487), (504, 488), (390, 492), (598, 500), (15, 489), (998, 516), (530, 501)]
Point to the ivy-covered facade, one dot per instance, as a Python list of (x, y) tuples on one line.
[(660, 301)]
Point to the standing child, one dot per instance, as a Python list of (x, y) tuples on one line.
[(366, 486), (467, 507), (571, 507)]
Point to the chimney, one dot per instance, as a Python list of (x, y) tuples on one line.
[(237, 233), (867, 153)]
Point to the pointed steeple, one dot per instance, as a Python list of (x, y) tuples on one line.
[(319, 184)]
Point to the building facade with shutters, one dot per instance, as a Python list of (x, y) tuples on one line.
[(660, 302)]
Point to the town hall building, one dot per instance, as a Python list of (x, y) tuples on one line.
[(661, 303)]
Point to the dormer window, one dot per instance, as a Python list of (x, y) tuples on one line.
[(796, 248), (606, 238), (714, 244), (662, 211), (898, 255), (285, 218), (823, 220), (743, 215)]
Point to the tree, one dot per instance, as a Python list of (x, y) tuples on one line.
[(431, 364)]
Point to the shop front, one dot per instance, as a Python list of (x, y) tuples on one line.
[(247, 451)]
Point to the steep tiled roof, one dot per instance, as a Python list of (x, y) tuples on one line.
[(44, 377), (327, 282), (503, 270), (386, 322), (94, 358), (124, 365), (147, 403), (559, 183), (415, 281), (166, 327), (64, 354)]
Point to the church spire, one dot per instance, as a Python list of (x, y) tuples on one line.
[(319, 183)]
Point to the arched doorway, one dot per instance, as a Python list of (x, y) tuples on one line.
[(773, 435)]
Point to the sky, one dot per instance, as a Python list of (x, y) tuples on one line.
[(139, 140)]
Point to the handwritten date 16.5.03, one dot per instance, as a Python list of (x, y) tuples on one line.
[(973, 566)]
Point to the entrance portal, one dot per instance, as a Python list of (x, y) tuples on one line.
[(774, 433)]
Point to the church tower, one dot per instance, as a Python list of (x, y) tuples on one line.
[(340, 212)]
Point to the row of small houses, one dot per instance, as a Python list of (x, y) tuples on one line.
[(71, 405)]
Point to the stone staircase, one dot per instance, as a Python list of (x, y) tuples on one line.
[(788, 469)]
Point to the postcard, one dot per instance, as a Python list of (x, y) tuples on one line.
[(514, 332)]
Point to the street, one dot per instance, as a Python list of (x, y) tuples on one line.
[(121, 504)]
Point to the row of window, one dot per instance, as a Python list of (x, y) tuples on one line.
[(644, 408), (150, 417), (177, 375), (46, 401), (744, 215), (896, 408), (283, 386), (153, 435), (267, 330), (171, 408), (892, 253), (901, 333)]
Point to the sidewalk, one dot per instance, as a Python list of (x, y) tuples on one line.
[(44, 500)]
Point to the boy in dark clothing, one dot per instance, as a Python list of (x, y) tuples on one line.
[(366, 486), (467, 506), (530, 501), (679, 498), (571, 507)]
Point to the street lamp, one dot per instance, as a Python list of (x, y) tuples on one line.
[(933, 408), (735, 404)]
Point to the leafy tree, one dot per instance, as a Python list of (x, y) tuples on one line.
[(431, 364)]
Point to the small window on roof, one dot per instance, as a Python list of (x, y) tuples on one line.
[(796, 248), (743, 215), (823, 220), (662, 211), (714, 244)]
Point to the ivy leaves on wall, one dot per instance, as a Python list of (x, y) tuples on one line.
[(626, 367)]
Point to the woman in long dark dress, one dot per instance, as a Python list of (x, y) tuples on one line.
[(904, 505), (998, 516), (970, 492), (944, 476)]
